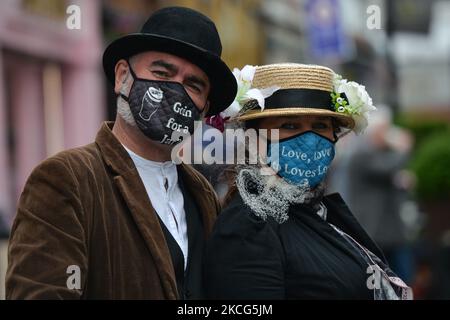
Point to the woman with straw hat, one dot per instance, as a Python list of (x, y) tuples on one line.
[(279, 236)]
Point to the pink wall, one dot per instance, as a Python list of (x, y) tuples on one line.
[(32, 41), (83, 105), (5, 177), (27, 118)]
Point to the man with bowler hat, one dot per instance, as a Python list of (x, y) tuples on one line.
[(117, 219)]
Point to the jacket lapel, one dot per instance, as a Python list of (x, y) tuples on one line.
[(133, 192)]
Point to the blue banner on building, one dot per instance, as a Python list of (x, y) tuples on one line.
[(326, 36)]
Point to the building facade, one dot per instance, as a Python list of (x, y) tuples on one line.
[(51, 85)]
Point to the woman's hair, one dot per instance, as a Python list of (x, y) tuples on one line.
[(229, 174)]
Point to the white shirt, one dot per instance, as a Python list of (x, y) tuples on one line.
[(161, 183)]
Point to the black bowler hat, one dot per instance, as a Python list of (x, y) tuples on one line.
[(185, 33)]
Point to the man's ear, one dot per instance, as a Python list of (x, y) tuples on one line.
[(121, 71)]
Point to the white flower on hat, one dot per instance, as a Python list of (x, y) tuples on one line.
[(352, 99), (245, 93)]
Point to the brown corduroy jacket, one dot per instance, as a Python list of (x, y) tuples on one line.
[(87, 208)]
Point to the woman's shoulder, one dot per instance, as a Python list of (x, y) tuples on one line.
[(244, 257)]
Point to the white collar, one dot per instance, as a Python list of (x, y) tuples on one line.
[(146, 163)]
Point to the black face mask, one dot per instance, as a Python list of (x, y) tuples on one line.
[(161, 108)]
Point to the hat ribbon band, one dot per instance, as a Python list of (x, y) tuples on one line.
[(312, 98)]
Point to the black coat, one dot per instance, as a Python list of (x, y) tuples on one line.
[(302, 258)]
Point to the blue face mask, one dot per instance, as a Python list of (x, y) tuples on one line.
[(303, 159)]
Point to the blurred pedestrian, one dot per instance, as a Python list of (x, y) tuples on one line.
[(378, 186)]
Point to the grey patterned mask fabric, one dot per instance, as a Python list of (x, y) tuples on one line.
[(161, 108)]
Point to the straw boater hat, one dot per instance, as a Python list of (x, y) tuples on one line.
[(303, 90)]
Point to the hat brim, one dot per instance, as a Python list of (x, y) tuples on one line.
[(223, 84), (344, 120)]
